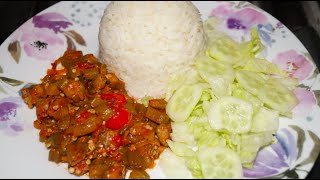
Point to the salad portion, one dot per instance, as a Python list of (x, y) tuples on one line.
[(225, 109)]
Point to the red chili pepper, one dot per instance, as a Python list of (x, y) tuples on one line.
[(117, 141), (83, 116), (115, 100), (118, 120), (84, 65)]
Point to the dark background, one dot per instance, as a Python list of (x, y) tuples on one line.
[(302, 18)]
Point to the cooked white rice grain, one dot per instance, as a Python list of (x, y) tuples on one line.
[(144, 43)]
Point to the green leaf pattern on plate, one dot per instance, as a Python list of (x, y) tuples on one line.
[(12, 82), (300, 140), (314, 151), (15, 50)]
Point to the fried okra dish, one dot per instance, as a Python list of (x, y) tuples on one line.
[(86, 119)]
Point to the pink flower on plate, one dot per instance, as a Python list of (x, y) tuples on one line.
[(42, 44), (42, 37), (237, 23), (51, 20), (307, 101), (10, 120), (296, 65)]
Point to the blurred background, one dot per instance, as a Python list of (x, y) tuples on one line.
[(301, 17)]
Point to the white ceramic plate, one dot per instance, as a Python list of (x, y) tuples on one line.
[(28, 52)]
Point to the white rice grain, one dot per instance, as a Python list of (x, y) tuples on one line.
[(144, 43)]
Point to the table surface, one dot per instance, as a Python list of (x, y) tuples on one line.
[(14, 13)]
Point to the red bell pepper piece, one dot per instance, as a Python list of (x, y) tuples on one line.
[(114, 100), (118, 120)]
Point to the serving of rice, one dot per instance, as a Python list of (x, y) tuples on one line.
[(144, 43)]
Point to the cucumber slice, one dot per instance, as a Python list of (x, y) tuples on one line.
[(231, 114), (226, 50), (239, 92), (263, 66), (278, 97), (251, 81), (183, 101), (173, 166), (265, 120), (220, 87), (218, 163), (180, 149), (219, 75), (290, 83)]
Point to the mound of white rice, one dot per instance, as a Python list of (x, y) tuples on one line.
[(144, 43)]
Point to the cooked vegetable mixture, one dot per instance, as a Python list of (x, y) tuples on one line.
[(86, 119)]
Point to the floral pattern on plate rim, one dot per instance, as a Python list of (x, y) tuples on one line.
[(44, 37), (238, 19), (283, 159), (50, 31), (40, 38), (10, 123)]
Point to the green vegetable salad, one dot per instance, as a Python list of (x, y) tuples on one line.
[(225, 109)]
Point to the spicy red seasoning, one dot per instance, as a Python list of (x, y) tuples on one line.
[(86, 119)]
